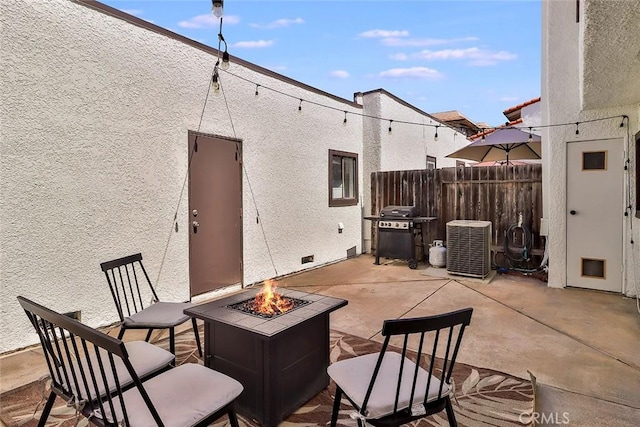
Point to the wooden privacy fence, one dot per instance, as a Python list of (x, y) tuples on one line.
[(499, 194)]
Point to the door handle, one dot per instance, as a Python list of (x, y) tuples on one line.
[(195, 225), (572, 212)]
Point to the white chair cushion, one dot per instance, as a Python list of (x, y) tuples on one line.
[(145, 358), (159, 315), (183, 396), (354, 375)]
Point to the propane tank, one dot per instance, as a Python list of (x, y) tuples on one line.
[(437, 254)]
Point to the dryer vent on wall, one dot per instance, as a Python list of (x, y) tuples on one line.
[(469, 248)]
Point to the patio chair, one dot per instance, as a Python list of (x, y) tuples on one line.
[(124, 278), (388, 388), (113, 383)]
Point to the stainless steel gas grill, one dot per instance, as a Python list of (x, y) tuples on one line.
[(396, 231)]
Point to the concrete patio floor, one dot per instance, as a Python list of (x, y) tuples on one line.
[(583, 346)]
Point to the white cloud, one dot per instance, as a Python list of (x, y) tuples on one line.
[(412, 72), (254, 44), (231, 19), (207, 21), (509, 98), (200, 21), (478, 57), (134, 12), (399, 42), (384, 33), (399, 56), (279, 23), (341, 74)]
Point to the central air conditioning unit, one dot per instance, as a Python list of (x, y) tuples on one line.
[(469, 248)]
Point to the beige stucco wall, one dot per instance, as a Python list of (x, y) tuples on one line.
[(562, 101), (531, 117), (95, 114), (407, 145), (404, 148)]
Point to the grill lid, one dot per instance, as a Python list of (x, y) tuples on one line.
[(399, 212)]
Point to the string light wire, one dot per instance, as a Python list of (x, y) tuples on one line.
[(174, 222), (635, 257), (246, 175), (215, 77), (483, 131)]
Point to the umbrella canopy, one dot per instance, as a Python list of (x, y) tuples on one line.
[(502, 144), (500, 163)]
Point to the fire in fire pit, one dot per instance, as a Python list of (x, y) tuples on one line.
[(268, 303)]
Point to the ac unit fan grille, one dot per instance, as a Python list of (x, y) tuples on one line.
[(469, 248)]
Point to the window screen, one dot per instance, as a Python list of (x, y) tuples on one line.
[(593, 268), (431, 162), (594, 160), (343, 178)]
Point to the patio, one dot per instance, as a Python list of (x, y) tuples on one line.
[(581, 345)]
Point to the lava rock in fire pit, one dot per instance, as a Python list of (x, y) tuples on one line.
[(268, 303), (252, 307), (281, 361)]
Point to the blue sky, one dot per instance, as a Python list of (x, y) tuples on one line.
[(478, 57)]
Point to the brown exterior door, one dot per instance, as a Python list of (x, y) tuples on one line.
[(215, 213)]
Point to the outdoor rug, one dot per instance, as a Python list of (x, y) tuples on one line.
[(483, 397)]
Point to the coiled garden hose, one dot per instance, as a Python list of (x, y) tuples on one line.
[(524, 251)]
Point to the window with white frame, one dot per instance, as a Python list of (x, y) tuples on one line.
[(343, 178)]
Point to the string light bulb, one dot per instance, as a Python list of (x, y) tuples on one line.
[(530, 135), (435, 137), (216, 8), (345, 118), (215, 83), (225, 60)]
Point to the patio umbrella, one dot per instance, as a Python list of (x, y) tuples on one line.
[(502, 144), (499, 163)]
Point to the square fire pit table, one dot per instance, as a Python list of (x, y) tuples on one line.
[(281, 361)]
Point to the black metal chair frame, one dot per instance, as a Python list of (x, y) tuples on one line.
[(125, 289), (407, 327), (64, 342)]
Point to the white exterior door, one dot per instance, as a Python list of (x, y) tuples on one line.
[(595, 214)]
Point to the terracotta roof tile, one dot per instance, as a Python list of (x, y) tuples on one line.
[(521, 106), (493, 129)]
